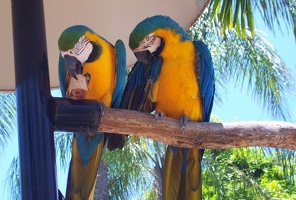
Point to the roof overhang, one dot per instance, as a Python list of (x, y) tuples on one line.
[(112, 19)]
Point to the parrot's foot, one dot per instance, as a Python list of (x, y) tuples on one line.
[(183, 121), (158, 115), (87, 78), (102, 107)]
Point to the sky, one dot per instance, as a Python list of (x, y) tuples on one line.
[(237, 104)]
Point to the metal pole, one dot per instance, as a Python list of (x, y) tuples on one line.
[(35, 132)]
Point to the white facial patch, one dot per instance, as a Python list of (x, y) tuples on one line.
[(81, 50), (150, 43)]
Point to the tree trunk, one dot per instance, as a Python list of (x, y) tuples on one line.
[(101, 189), (158, 177)]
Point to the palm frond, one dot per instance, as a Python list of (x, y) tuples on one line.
[(8, 121), (292, 10), (250, 60), (131, 171), (12, 181), (240, 14), (63, 146), (275, 12), (255, 62)]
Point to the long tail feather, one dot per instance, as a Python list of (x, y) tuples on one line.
[(193, 174), (81, 180), (182, 174), (172, 174)]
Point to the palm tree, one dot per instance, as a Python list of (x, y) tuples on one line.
[(132, 170), (229, 30), (248, 60), (245, 54), (8, 123), (240, 14), (7, 118)]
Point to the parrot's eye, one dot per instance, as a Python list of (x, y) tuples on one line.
[(80, 45), (148, 41)]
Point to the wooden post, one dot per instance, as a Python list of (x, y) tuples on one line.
[(35, 132)]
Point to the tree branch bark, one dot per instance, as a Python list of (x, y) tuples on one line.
[(197, 134), (200, 134)]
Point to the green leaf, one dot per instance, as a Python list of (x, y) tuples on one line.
[(250, 17)]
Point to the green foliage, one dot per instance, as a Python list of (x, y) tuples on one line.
[(250, 60), (292, 10), (63, 142), (7, 118), (248, 173), (239, 14), (12, 181), (130, 170), (150, 194), (63, 146), (215, 118)]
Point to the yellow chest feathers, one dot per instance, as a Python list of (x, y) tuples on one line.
[(176, 91), (102, 72)]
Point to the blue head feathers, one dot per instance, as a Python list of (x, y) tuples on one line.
[(71, 35), (150, 25)]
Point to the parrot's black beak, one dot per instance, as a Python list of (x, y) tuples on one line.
[(73, 65), (145, 56)]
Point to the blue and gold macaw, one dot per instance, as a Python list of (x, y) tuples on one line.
[(83, 52), (174, 77)]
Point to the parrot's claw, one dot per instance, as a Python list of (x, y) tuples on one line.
[(158, 115), (183, 121), (87, 77), (102, 110)]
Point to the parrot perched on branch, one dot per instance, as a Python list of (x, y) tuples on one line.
[(99, 68), (174, 77)]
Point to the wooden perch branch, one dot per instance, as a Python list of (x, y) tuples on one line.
[(85, 116), (200, 134)]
